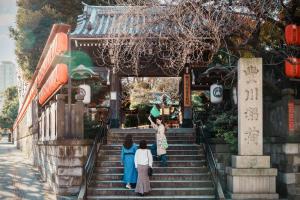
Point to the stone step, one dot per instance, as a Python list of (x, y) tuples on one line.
[(157, 176), (134, 131), (170, 152), (112, 141), (181, 163), (156, 184), (170, 157), (154, 192), (111, 170), (151, 137), (167, 197), (171, 147)]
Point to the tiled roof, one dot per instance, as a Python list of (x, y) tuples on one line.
[(105, 21)]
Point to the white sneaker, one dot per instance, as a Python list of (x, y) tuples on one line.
[(128, 186)]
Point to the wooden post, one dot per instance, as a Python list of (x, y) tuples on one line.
[(60, 116), (115, 100)]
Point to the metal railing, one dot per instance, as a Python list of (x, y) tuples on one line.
[(90, 163), (212, 164)]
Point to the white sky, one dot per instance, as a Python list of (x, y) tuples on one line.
[(8, 12)]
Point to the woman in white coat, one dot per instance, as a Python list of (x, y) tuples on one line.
[(159, 149), (143, 160)]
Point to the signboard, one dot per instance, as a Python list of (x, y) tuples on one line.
[(291, 111), (187, 90), (113, 95)]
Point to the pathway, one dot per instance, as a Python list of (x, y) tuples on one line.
[(19, 180)]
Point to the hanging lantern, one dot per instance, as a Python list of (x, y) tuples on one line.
[(85, 90), (216, 93), (234, 95), (292, 34), (292, 67)]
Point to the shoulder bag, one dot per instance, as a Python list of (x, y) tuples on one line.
[(150, 170)]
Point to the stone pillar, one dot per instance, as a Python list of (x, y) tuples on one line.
[(250, 176), (60, 116), (77, 128), (187, 100), (115, 101)]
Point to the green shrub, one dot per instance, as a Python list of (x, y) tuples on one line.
[(91, 128)]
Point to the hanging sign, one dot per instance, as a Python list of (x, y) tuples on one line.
[(187, 90)]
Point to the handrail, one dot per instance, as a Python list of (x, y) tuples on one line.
[(210, 158), (90, 163)]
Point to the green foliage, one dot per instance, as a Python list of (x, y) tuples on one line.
[(143, 113), (131, 121), (223, 124), (10, 108), (91, 128), (34, 22)]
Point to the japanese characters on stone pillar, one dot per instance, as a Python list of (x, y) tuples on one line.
[(250, 166), (250, 103)]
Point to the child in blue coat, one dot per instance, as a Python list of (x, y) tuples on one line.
[(127, 160)]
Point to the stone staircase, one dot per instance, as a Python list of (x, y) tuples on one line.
[(186, 177)]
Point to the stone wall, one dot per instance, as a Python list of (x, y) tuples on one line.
[(60, 157), (282, 142), (26, 136), (61, 164), (286, 158), (222, 156)]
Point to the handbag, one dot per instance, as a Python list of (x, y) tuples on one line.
[(164, 144), (150, 170)]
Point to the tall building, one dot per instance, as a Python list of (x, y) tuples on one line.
[(22, 87), (8, 77)]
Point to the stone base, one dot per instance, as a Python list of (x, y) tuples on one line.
[(249, 183), (61, 164), (251, 161), (253, 196)]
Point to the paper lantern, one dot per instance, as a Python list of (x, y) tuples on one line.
[(216, 93), (85, 90), (292, 67), (56, 80), (292, 34)]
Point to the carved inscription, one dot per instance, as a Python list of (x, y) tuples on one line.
[(251, 73), (251, 94), (252, 162), (250, 107), (252, 135), (251, 113)]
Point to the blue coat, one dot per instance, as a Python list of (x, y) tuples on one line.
[(127, 159)]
